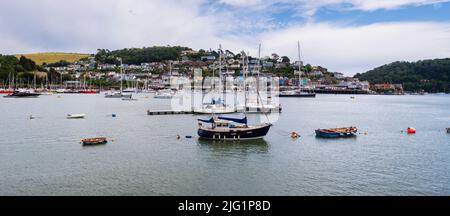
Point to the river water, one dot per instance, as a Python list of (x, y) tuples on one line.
[(44, 156)]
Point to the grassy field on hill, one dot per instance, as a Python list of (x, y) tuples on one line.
[(53, 57)]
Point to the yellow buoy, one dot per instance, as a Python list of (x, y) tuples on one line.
[(294, 135)]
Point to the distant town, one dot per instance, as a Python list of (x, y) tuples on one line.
[(102, 71)]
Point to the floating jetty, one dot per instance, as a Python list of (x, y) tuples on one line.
[(191, 112), (168, 112)]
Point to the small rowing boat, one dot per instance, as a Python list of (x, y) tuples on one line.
[(94, 141), (76, 116), (336, 132)]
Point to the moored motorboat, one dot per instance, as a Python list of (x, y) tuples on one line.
[(165, 94), (94, 141), (296, 94), (76, 116), (23, 94), (336, 132), (114, 95)]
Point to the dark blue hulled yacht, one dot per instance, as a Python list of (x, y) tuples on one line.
[(223, 128)]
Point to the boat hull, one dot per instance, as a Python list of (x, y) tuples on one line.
[(29, 95), (324, 134), (94, 141), (78, 116), (235, 133), (297, 95)]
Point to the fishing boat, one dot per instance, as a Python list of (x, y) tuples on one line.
[(337, 132), (94, 141), (76, 116), (23, 94), (298, 93)]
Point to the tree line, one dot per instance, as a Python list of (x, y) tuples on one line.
[(11, 66), (427, 75), (139, 55)]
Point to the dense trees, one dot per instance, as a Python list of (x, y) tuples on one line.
[(140, 55), (427, 75), (11, 66), (61, 63)]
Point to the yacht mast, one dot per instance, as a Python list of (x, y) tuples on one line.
[(300, 64), (257, 76), (121, 76), (34, 81)]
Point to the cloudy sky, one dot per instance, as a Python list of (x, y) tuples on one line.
[(349, 36)]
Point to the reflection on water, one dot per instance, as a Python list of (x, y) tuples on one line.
[(245, 146)]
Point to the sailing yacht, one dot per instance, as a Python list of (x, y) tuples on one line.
[(225, 128), (259, 105), (118, 94), (23, 94), (299, 92), (216, 106)]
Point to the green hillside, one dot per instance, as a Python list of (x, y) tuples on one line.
[(428, 75)]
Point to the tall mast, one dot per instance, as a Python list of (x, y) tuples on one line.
[(121, 76), (34, 82), (300, 64), (257, 76), (245, 81)]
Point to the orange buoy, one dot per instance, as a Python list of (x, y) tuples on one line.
[(411, 130)]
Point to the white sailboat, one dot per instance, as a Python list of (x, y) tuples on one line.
[(259, 105), (118, 94), (216, 106), (299, 92)]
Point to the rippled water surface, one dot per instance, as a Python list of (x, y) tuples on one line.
[(44, 157)]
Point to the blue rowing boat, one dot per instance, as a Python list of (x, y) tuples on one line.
[(336, 132)]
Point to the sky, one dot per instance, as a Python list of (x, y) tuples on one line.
[(348, 36)]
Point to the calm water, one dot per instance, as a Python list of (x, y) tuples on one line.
[(44, 156)]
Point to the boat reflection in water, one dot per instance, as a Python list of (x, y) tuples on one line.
[(247, 146)]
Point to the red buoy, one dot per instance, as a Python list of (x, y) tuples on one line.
[(411, 130)]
